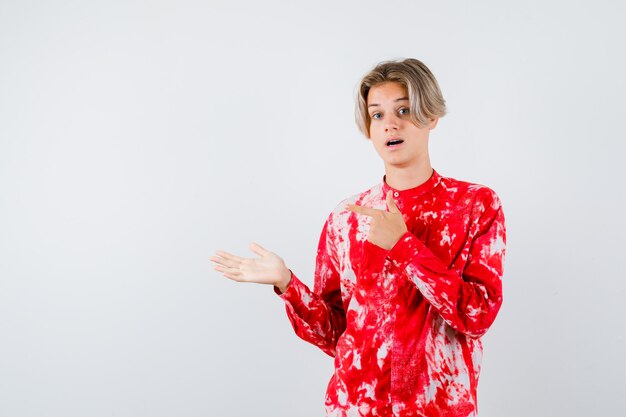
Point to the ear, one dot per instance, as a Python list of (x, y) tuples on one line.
[(433, 123)]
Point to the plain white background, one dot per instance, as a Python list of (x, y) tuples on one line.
[(136, 138)]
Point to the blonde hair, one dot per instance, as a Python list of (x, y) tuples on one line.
[(425, 99)]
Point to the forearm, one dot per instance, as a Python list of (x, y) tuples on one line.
[(467, 301), (317, 319)]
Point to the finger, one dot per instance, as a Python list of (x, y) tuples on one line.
[(229, 272), (363, 210), (391, 204), (229, 256), (223, 268), (216, 259), (232, 277), (258, 249), (225, 262)]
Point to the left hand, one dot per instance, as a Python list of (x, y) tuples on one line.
[(268, 268), (387, 226)]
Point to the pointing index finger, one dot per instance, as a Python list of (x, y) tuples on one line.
[(362, 210)]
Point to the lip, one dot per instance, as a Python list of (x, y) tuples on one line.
[(393, 138)]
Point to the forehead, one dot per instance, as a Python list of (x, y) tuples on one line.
[(387, 91)]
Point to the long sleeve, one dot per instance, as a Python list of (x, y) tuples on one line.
[(468, 301), (318, 316)]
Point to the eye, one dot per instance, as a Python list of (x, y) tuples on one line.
[(375, 116), (404, 110)]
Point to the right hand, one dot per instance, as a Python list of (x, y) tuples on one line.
[(268, 268)]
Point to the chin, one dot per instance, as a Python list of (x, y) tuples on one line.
[(397, 161)]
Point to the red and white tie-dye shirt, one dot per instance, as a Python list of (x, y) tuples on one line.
[(404, 324)]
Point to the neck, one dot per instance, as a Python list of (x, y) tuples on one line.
[(404, 178)]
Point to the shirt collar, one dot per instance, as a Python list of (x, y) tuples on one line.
[(414, 192)]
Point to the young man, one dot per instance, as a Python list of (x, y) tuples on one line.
[(408, 273)]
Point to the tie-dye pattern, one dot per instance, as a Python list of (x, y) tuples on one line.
[(404, 325)]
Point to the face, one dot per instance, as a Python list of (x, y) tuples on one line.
[(399, 142)]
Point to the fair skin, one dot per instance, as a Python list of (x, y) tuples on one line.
[(407, 165)]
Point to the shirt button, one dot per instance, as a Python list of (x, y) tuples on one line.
[(396, 194)]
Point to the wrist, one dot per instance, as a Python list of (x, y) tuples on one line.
[(284, 281)]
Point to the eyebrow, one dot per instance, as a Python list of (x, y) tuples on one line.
[(398, 99)]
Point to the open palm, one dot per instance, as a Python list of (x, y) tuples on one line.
[(268, 268)]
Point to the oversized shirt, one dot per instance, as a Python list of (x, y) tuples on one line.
[(404, 324)]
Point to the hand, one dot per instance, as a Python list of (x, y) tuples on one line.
[(387, 227), (268, 268)]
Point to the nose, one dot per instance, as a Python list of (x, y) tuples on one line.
[(392, 122)]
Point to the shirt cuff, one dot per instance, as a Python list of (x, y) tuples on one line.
[(293, 291), (405, 250)]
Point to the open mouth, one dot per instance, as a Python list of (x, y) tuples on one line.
[(393, 142)]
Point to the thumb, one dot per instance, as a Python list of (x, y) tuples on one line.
[(258, 249), (391, 204)]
